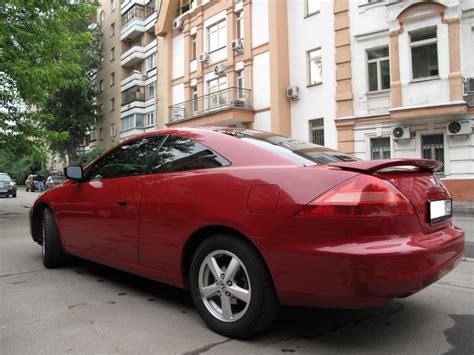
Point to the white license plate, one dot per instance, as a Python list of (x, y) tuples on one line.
[(440, 209)]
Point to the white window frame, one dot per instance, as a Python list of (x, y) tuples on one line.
[(307, 12), (221, 82), (219, 27), (240, 78), (112, 104), (112, 54), (101, 85), (194, 97), (112, 5), (420, 44), (240, 25), (112, 29), (149, 87), (308, 65), (112, 79), (149, 122), (379, 71), (371, 145), (151, 62), (113, 131)]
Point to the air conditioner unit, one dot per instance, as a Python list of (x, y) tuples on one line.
[(178, 23), (204, 57), (237, 45), (469, 86), (457, 128), (293, 92), (219, 70), (401, 132)]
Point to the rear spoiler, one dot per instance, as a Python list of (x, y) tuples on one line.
[(371, 166)]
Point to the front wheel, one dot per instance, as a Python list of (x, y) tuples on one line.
[(232, 288), (53, 255)]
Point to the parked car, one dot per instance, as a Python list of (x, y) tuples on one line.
[(7, 185), (31, 183), (250, 220), (53, 180)]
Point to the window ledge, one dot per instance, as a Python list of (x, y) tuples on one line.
[(312, 14), (315, 84), (428, 78), (384, 92), (216, 50)]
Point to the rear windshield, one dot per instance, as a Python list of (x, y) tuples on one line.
[(5, 178), (300, 152)]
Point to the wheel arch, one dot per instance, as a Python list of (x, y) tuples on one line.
[(36, 221), (197, 237)]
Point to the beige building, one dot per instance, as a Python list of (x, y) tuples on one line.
[(127, 78)]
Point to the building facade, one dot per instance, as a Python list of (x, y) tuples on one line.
[(127, 77), (225, 63), (377, 79)]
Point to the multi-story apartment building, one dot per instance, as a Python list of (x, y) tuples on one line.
[(376, 79), (226, 63), (126, 80)]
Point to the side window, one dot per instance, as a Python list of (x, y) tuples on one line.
[(179, 154), (127, 160)]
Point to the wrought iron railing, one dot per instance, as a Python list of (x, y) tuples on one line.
[(219, 101)]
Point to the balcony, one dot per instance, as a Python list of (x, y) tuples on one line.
[(136, 93), (135, 53), (137, 20), (231, 99)]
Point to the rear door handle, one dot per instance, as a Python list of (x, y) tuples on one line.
[(122, 203)]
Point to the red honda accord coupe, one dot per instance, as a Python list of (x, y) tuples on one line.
[(249, 220)]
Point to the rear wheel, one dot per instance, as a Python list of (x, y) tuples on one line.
[(53, 255), (231, 287)]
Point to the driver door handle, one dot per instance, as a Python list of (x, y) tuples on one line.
[(122, 203)]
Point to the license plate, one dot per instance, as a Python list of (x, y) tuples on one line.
[(440, 209)]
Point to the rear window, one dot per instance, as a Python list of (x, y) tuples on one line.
[(57, 178), (300, 152)]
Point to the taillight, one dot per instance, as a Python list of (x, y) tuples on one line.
[(362, 196)]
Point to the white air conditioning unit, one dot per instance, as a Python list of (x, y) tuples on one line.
[(457, 128), (293, 92), (401, 132), (469, 86), (178, 23), (237, 45), (204, 57), (219, 70)]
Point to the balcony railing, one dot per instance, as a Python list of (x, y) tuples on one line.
[(138, 11), (208, 104), (136, 93)]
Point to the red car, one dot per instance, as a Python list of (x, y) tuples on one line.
[(249, 220)]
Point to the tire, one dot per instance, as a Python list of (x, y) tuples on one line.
[(27, 189), (251, 279), (53, 255)]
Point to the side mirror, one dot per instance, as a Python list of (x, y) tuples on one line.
[(74, 172)]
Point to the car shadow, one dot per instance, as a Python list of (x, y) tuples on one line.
[(337, 330)]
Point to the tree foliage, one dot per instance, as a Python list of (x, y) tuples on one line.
[(48, 52)]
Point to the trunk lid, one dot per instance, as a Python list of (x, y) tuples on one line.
[(414, 178)]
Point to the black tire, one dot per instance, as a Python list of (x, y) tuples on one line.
[(53, 255), (263, 307), (14, 195), (27, 189)]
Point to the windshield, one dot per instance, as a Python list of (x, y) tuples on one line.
[(57, 178), (300, 152), (5, 178)]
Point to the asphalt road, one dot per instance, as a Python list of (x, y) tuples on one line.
[(88, 308)]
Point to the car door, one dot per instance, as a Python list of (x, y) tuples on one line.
[(170, 195), (102, 213)]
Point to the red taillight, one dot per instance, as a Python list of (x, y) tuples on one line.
[(362, 196)]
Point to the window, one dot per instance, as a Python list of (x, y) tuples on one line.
[(241, 83), (150, 119), (93, 135), (240, 25), (316, 131), (216, 96), (193, 47), (102, 16), (432, 147), (150, 91), (217, 36), (112, 79), (194, 96), (378, 69), (112, 5), (101, 133), (132, 121), (112, 104), (380, 148), (180, 154), (101, 109), (112, 54), (112, 130), (424, 53), (112, 29), (311, 7), (101, 86), (129, 159), (315, 67), (151, 62)]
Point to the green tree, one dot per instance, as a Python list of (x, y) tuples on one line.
[(48, 52)]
